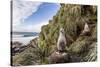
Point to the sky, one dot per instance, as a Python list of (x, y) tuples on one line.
[(29, 16)]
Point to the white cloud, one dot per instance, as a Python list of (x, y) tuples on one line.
[(36, 27), (31, 28), (22, 10)]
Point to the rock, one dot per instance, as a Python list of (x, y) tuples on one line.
[(17, 47), (16, 44), (57, 57), (75, 58)]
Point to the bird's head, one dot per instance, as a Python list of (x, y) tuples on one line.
[(61, 30)]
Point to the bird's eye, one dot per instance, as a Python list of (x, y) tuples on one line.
[(62, 31)]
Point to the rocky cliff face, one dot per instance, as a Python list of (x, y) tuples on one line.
[(73, 18), (79, 47)]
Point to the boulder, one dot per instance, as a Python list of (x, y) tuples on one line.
[(57, 57)]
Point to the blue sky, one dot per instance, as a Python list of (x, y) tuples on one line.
[(45, 12), (30, 16)]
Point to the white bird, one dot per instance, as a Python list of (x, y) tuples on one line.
[(86, 29), (61, 43)]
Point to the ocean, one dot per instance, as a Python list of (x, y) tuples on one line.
[(24, 38)]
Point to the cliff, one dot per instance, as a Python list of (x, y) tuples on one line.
[(72, 18)]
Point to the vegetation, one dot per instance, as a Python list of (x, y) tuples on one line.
[(72, 18)]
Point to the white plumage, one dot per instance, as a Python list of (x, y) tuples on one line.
[(86, 29), (61, 44)]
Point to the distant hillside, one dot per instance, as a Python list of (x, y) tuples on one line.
[(24, 32), (72, 18)]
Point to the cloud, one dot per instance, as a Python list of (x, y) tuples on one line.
[(31, 28), (22, 10)]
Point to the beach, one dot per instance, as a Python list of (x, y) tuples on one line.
[(22, 39)]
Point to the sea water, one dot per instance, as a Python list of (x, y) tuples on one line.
[(22, 39)]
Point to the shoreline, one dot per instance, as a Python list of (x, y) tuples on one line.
[(23, 40)]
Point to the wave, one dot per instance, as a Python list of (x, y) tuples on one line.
[(17, 36), (22, 39)]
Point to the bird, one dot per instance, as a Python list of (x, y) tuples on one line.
[(61, 43), (86, 29)]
